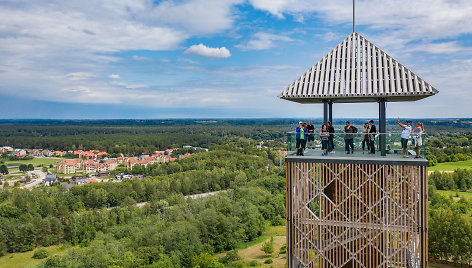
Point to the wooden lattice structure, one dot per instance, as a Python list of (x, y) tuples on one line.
[(356, 212)]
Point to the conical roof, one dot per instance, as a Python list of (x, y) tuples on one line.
[(357, 71)]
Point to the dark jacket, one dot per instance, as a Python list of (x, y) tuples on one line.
[(349, 130), (372, 132)]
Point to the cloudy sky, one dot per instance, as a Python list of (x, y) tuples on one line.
[(217, 58)]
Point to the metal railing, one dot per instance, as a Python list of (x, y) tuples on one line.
[(361, 143)]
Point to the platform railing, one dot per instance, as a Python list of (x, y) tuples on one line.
[(361, 142)]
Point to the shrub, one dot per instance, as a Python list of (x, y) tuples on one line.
[(253, 263), (41, 253), (283, 249), (230, 257), (268, 261), (268, 247)]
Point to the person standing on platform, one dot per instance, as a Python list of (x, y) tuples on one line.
[(301, 133), (417, 139), (311, 135), (366, 138), (405, 136), (349, 137), (372, 132), (324, 134), (305, 125), (330, 137)]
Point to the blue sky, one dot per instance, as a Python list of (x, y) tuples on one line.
[(217, 59)]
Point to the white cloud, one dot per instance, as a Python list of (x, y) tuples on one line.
[(62, 44), (114, 76), (79, 76), (141, 58), (275, 7), (262, 41), (418, 20), (128, 85), (202, 50), (330, 36), (441, 48), (197, 16)]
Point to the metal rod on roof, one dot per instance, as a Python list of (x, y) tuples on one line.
[(353, 15)]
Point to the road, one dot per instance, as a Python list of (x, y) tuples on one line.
[(193, 196), (40, 176)]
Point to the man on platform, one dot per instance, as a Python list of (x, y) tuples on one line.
[(349, 137), (372, 132), (330, 137), (311, 135)]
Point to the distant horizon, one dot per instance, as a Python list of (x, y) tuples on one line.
[(228, 118)]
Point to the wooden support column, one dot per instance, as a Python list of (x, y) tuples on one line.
[(330, 108), (382, 127), (325, 112)]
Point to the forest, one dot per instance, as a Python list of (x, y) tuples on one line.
[(100, 225), (169, 229)]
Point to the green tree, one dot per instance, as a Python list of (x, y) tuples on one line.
[(166, 262), (268, 247), (23, 168), (3, 169), (205, 260)]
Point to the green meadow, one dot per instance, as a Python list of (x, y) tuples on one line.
[(25, 259), (451, 166)]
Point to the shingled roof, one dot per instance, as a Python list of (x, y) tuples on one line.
[(357, 71)]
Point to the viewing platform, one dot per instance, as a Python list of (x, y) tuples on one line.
[(393, 146)]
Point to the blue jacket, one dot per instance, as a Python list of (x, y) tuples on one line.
[(301, 133)]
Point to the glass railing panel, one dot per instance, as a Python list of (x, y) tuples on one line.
[(393, 144)]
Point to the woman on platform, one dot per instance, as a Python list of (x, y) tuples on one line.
[(417, 138), (324, 134)]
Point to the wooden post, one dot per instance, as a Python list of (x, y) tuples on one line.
[(325, 112), (382, 127), (330, 108)]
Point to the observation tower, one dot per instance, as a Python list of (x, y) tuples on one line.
[(357, 210)]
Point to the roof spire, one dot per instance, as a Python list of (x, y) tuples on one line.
[(353, 15), (357, 71)]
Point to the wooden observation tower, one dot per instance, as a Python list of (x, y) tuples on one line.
[(357, 211)]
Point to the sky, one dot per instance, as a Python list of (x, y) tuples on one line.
[(109, 59)]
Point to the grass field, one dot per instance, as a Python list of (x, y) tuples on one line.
[(270, 231), (36, 162), (25, 259), (451, 166), (251, 251), (467, 195)]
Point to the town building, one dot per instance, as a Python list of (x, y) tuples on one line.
[(50, 179), (19, 152)]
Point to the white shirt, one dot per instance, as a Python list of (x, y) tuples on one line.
[(406, 132)]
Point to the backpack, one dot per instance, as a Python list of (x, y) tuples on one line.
[(354, 129)]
